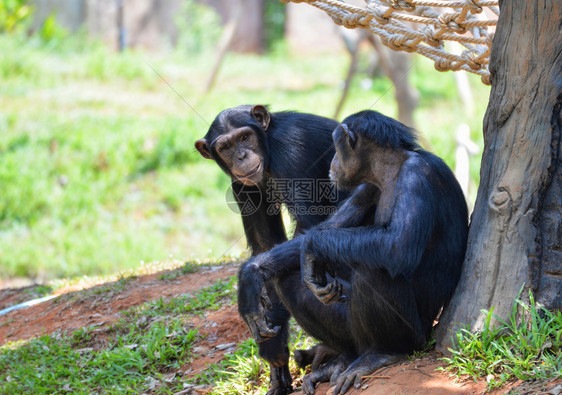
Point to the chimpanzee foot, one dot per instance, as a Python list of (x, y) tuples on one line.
[(324, 373), (362, 366), (280, 381), (315, 356)]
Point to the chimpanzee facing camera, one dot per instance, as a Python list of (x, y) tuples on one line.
[(263, 152), (274, 159)]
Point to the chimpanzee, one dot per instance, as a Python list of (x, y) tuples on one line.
[(274, 158), (369, 281)]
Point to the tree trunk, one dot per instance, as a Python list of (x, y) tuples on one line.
[(225, 42), (516, 228), (249, 36)]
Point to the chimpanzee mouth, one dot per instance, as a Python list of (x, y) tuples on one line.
[(248, 175)]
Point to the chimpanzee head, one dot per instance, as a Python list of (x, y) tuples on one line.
[(347, 165), (364, 139), (237, 141)]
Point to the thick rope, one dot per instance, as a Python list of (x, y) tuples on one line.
[(423, 26)]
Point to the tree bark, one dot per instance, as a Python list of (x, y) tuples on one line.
[(515, 233), (225, 42), (249, 35)]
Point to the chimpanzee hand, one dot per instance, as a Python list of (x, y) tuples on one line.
[(258, 323), (253, 301), (314, 276)]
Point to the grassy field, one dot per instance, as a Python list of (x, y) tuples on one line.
[(158, 346), (97, 166)]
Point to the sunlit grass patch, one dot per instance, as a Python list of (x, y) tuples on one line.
[(530, 349), (244, 372), (210, 298), (54, 363)]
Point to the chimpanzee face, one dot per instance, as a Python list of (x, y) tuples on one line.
[(345, 170), (233, 141), (240, 152)]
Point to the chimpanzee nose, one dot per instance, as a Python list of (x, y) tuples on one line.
[(241, 155)]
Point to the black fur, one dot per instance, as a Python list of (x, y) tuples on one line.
[(295, 146), (393, 277), (382, 130)]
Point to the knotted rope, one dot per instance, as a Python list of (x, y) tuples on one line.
[(423, 26)]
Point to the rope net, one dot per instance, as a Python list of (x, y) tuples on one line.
[(423, 26)]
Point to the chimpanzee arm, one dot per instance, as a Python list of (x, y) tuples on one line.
[(253, 299), (263, 228), (397, 246), (355, 209), (284, 258)]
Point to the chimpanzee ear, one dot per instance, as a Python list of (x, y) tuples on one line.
[(261, 115), (203, 148)]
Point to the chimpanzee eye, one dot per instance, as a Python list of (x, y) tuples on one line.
[(245, 137)]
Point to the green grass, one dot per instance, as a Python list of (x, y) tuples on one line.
[(131, 361), (525, 349), (97, 166), (244, 372), (208, 299), (142, 351), (188, 267)]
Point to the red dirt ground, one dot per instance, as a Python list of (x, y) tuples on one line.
[(101, 305)]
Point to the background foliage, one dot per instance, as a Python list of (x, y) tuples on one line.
[(98, 172), (97, 165)]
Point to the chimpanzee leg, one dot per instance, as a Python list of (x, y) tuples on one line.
[(262, 310), (384, 321), (281, 267), (275, 350), (384, 314), (327, 323)]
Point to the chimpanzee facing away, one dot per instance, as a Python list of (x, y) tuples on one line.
[(370, 280), (274, 158)]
